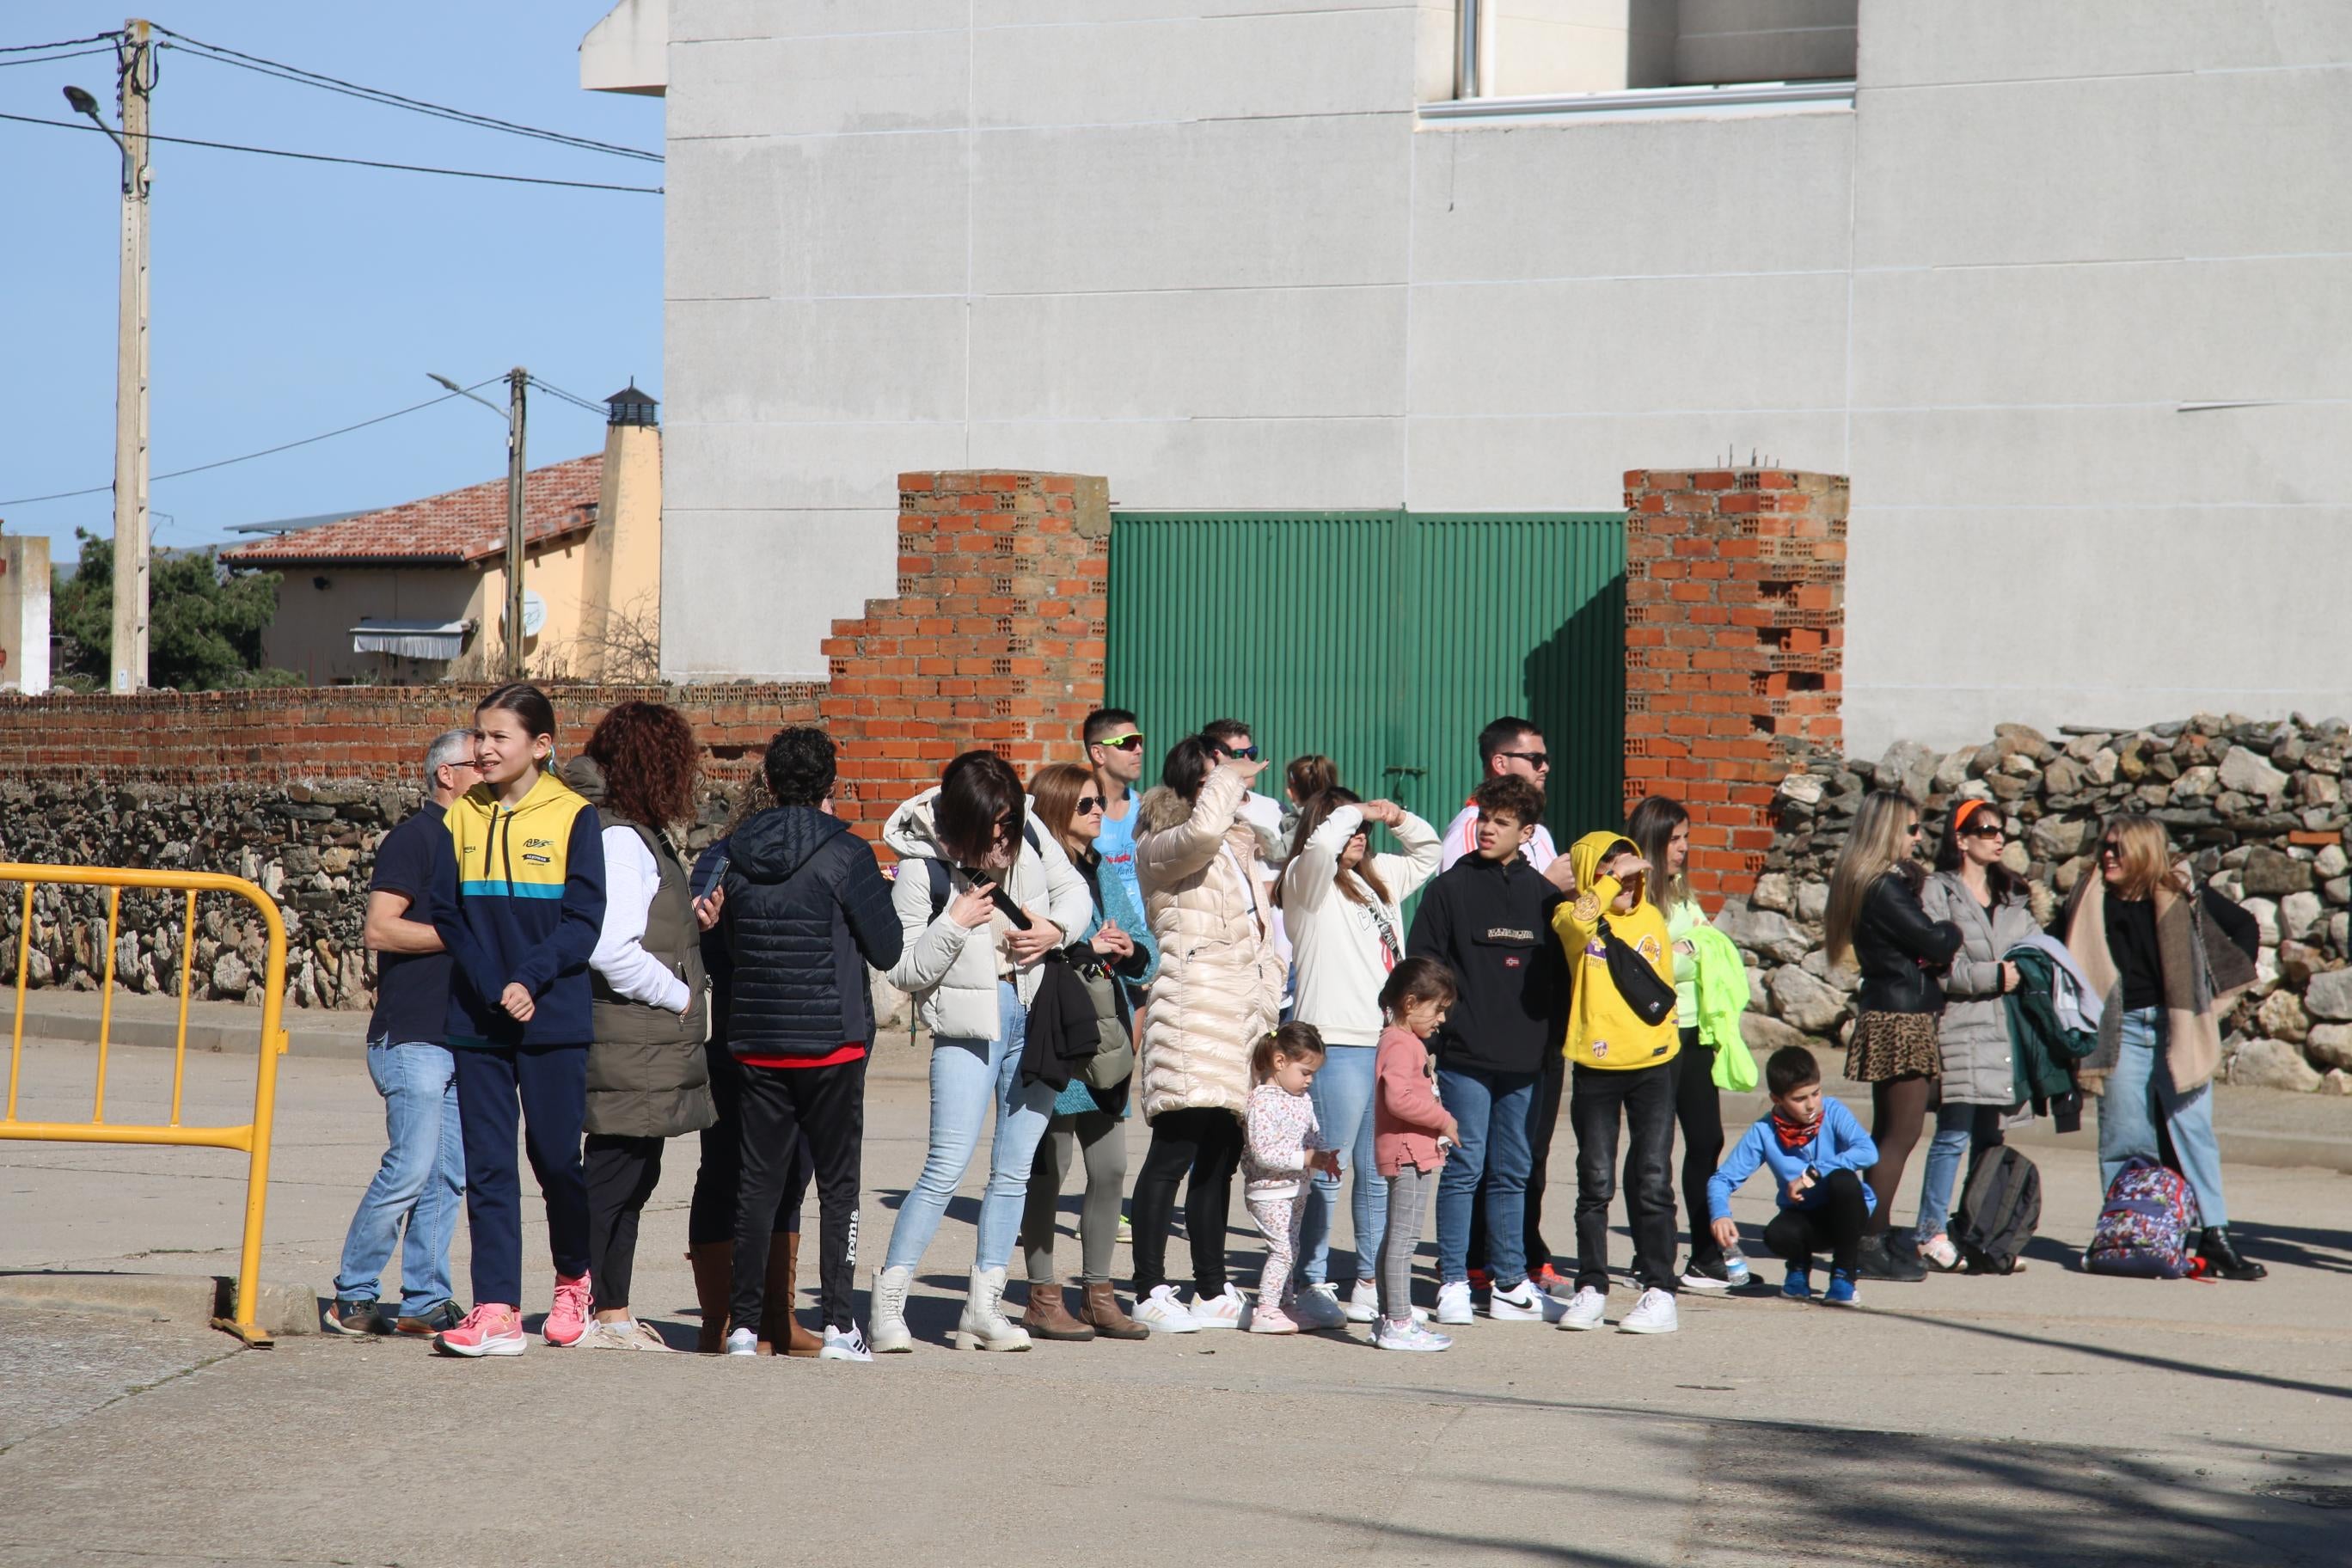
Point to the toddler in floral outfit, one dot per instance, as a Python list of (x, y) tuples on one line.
[(1282, 1144)]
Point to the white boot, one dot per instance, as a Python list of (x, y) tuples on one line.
[(982, 1326), (886, 1332)]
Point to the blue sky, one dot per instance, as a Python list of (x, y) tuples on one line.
[(288, 298)]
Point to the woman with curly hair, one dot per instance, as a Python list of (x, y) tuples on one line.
[(648, 1081)]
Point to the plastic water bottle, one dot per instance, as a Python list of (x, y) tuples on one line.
[(1735, 1264)]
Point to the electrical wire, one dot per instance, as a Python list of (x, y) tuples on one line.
[(283, 72), (265, 452), (60, 44), (572, 398), (357, 163), (50, 59)]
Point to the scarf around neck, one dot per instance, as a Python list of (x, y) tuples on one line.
[(1795, 1135)]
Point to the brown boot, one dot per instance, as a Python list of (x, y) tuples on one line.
[(779, 1329), (1047, 1320), (714, 1286), (1103, 1312), (798, 1341)]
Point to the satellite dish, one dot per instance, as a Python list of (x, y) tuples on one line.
[(534, 614)]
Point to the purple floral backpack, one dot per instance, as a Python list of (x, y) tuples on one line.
[(2147, 1225)]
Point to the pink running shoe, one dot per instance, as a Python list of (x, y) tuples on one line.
[(1266, 1319), (567, 1320), (491, 1329)]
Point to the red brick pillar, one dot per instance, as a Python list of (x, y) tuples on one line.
[(1735, 631), (995, 638)]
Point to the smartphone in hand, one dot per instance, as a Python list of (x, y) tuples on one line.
[(999, 896), (709, 879)]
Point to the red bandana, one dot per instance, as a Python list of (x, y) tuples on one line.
[(1794, 1135)]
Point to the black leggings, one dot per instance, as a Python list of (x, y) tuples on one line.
[(621, 1173), (711, 1218), (1698, 1112), (1898, 1110), (1207, 1144), (1835, 1226)]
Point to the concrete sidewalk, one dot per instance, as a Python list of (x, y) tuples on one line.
[(2052, 1418)]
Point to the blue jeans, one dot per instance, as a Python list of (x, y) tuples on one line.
[(2139, 1090), (967, 1078), (1495, 1112), (421, 1181), (1342, 1092), (1959, 1129)]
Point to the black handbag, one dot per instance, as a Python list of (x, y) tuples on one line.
[(1652, 999)]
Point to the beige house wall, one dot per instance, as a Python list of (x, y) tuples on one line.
[(619, 614), (319, 606)]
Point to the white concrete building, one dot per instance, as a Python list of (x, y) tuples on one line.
[(2067, 289)]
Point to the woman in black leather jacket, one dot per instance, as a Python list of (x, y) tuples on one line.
[(1875, 918)]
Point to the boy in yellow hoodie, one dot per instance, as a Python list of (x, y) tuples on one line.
[(1619, 1060)]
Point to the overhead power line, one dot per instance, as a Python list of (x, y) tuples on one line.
[(572, 397), (265, 452), (58, 43), (47, 60), (357, 162), (285, 72)]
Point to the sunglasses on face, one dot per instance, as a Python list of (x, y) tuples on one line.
[(1913, 831), (1127, 742), (1240, 753), (1983, 830), (2111, 847), (1088, 805), (1538, 761)]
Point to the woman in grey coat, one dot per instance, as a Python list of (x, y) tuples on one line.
[(1988, 902)]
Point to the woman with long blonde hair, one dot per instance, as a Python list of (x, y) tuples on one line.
[(1876, 920), (2147, 937)]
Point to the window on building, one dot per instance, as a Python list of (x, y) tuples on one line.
[(1552, 47)]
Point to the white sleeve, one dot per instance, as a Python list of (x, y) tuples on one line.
[(1460, 838), (631, 880)]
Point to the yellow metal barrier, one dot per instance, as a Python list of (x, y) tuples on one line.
[(252, 1137)]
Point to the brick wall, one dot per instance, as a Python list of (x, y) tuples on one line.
[(995, 638), (1735, 632), (340, 732)]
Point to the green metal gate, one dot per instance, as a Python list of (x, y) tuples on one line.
[(1385, 640)]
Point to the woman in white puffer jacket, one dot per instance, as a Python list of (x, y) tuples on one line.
[(1218, 992), (972, 974), (1341, 905)]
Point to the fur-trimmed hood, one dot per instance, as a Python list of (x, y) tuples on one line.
[(1160, 809)]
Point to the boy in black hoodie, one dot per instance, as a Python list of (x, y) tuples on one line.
[(804, 912), (1489, 919)]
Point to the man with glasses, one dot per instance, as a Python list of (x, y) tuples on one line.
[(422, 1179), (1264, 814), (1115, 758), (1506, 748)]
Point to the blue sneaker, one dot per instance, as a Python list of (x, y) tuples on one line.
[(1798, 1286), (1842, 1291)]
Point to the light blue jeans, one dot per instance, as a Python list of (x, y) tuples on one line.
[(422, 1180), (1958, 1128), (1496, 1115), (2140, 1089), (969, 1079), (1342, 1092)]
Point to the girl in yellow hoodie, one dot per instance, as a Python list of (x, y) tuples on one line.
[(1619, 1061)]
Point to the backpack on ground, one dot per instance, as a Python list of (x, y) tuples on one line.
[(2147, 1225), (1999, 1211)]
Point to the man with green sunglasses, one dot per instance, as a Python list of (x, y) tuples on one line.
[(1114, 757)]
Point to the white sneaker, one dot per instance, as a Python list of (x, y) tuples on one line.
[(1318, 1307), (1654, 1314), (1162, 1313), (1223, 1310), (743, 1341), (1388, 1336), (844, 1345), (628, 1335), (1453, 1303), (1587, 1310), (1522, 1303), (1364, 1302)]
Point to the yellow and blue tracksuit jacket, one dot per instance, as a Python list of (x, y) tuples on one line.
[(520, 900)]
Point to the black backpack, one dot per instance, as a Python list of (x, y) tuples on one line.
[(1998, 1216)]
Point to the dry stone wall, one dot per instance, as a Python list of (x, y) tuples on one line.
[(2259, 806)]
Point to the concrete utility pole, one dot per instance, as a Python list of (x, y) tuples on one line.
[(517, 380), (138, 80)]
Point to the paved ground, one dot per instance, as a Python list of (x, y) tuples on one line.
[(2050, 1418)]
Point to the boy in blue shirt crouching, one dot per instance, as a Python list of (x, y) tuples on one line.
[(1816, 1151)]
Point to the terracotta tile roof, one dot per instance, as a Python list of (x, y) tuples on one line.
[(457, 527)]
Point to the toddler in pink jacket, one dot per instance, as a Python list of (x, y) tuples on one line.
[(1410, 1132)]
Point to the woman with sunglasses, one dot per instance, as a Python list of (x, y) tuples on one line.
[(1085, 1120), (1986, 903), (1876, 918), (1339, 902), (2170, 957), (983, 897)]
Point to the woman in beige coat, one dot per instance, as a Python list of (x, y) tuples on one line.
[(1219, 991)]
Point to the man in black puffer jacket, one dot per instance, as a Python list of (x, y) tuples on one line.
[(804, 912)]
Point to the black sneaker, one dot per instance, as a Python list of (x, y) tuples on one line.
[(1708, 1275), (1880, 1261), (448, 1315), (357, 1317)]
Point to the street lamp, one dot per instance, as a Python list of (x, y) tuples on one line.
[(517, 380)]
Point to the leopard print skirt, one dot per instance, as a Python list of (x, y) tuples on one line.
[(1893, 1045)]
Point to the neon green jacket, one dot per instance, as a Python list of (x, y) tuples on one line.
[(1721, 987)]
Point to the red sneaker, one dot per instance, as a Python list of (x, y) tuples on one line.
[(567, 1320), (1549, 1281), (491, 1329)]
